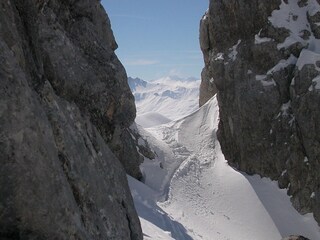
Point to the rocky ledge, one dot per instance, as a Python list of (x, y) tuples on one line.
[(264, 59), (64, 101)]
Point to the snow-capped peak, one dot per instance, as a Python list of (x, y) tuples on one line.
[(165, 99)]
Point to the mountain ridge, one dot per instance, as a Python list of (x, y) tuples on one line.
[(169, 97)]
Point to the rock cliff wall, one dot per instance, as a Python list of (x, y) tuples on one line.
[(264, 59), (64, 99)]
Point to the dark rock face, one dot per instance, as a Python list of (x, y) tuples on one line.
[(136, 82), (295, 238), (263, 57), (64, 96)]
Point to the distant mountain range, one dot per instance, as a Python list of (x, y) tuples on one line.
[(163, 100)]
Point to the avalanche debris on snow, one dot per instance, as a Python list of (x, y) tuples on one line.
[(196, 195)]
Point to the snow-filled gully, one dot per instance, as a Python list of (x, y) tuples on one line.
[(190, 192)]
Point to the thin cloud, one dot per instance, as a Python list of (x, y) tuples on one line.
[(140, 62)]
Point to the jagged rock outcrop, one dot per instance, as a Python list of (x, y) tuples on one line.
[(264, 59), (207, 87), (64, 98)]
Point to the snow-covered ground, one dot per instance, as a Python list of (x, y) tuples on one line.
[(165, 99), (190, 192)]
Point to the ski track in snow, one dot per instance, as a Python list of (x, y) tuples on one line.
[(196, 195)]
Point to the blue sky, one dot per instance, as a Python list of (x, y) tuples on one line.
[(158, 38)]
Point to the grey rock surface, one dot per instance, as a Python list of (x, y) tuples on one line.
[(264, 57), (64, 99)]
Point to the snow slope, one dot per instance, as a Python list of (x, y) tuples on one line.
[(151, 119), (169, 98), (190, 192)]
